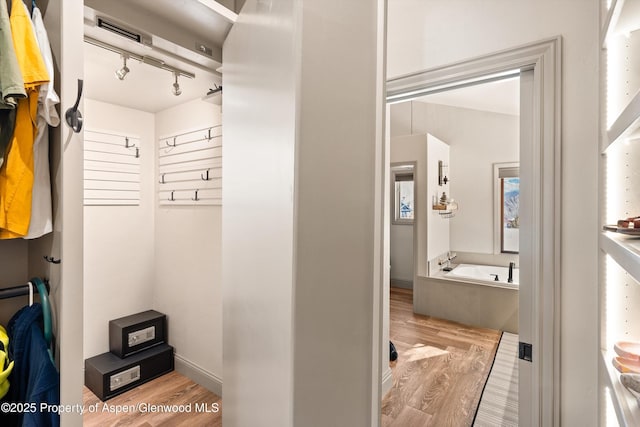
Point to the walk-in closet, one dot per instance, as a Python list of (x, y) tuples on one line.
[(136, 187)]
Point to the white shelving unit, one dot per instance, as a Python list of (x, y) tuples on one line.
[(620, 198)]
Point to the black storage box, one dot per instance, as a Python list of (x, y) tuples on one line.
[(130, 334), (106, 375)]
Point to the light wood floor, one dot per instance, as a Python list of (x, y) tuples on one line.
[(441, 369), (170, 389), (437, 380)]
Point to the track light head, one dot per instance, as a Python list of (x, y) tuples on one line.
[(176, 87), (122, 72)]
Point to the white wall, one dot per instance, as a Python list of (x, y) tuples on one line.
[(187, 278), (424, 35), (438, 228), (300, 258), (401, 235), (477, 139), (413, 148), (257, 233), (401, 251), (118, 240)]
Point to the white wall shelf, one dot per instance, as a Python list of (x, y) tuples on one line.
[(619, 299), (610, 21), (626, 123), (624, 403), (624, 250)]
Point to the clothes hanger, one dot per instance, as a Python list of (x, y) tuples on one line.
[(30, 293), (46, 312)]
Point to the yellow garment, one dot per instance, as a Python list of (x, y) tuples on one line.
[(16, 173), (5, 365)]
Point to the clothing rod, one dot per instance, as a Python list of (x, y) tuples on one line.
[(195, 169), (168, 152), (111, 134), (191, 131), (18, 291), (178, 144), (158, 63)]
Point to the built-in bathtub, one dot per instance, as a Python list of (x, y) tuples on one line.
[(489, 275), (469, 294)]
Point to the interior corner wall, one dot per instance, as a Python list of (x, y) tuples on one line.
[(413, 148), (400, 235), (118, 240), (477, 140), (424, 35), (187, 277)]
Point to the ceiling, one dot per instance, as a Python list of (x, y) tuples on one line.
[(183, 34), (172, 31), (502, 96)]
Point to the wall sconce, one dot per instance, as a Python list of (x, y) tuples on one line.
[(442, 173)]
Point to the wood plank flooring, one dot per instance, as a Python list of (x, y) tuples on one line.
[(437, 380), (171, 389), (441, 368)]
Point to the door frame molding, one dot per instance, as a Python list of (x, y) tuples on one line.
[(543, 255)]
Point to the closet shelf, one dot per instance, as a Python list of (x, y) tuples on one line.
[(624, 250), (626, 123), (623, 17), (610, 21), (624, 403)]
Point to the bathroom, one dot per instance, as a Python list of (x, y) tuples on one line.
[(469, 138)]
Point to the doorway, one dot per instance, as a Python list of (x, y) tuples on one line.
[(402, 231), (457, 138), (539, 244)]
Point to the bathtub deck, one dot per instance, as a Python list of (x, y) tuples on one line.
[(441, 369)]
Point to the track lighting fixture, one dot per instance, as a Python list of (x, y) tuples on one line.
[(176, 86), (122, 72), (144, 59)]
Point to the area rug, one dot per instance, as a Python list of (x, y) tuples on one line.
[(499, 402)]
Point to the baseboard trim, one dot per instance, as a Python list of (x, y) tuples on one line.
[(387, 381), (404, 284), (206, 379)]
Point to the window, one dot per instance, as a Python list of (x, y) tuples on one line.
[(403, 190), (507, 177)]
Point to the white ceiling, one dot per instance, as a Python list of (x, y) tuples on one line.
[(502, 96), (174, 27), (145, 88), (183, 23)]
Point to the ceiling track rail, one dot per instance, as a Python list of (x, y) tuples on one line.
[(155, 62)]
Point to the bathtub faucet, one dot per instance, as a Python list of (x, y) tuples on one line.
[(511, 267)]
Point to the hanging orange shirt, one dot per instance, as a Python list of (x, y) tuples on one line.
[(16, 173)]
